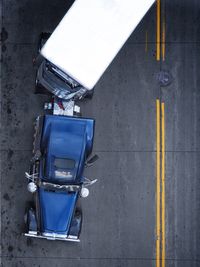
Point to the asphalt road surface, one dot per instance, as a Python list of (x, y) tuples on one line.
[(120, 214)]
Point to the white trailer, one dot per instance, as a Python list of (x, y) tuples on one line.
[(90, 35)]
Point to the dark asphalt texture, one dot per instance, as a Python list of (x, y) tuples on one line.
[(119, 214)]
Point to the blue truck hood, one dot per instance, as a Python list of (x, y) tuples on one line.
[(66, 138), (56, 210)]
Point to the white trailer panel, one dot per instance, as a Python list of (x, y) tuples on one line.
[(91, 34)]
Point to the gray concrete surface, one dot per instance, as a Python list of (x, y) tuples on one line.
[(119, 215)]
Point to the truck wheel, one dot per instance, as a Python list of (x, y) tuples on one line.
[(76, 223), (28, 206)]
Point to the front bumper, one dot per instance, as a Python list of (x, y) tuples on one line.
[(53, 236)]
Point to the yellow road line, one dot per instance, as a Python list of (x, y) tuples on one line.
[(163, 183), (158, 19), (157, 183), (163, 40)]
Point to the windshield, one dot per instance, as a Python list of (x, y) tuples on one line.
[(64, 163), (63, 168)]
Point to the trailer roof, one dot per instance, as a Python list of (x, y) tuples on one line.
[(91, 34)]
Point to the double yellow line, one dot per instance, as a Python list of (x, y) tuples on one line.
[(160, 184), (160, 38)]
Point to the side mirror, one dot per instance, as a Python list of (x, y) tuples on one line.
[(88, 182), (31, 177), (91, 160)]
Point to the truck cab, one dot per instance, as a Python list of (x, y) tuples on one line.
[(62, 147)]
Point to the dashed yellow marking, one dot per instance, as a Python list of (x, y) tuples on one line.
[(158, 30), (163, 40)]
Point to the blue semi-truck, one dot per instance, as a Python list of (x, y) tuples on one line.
[(62, 147)]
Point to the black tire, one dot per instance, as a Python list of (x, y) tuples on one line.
[(78, 204), (76, 223), (25, 227), (79, 212), (28, 206)]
